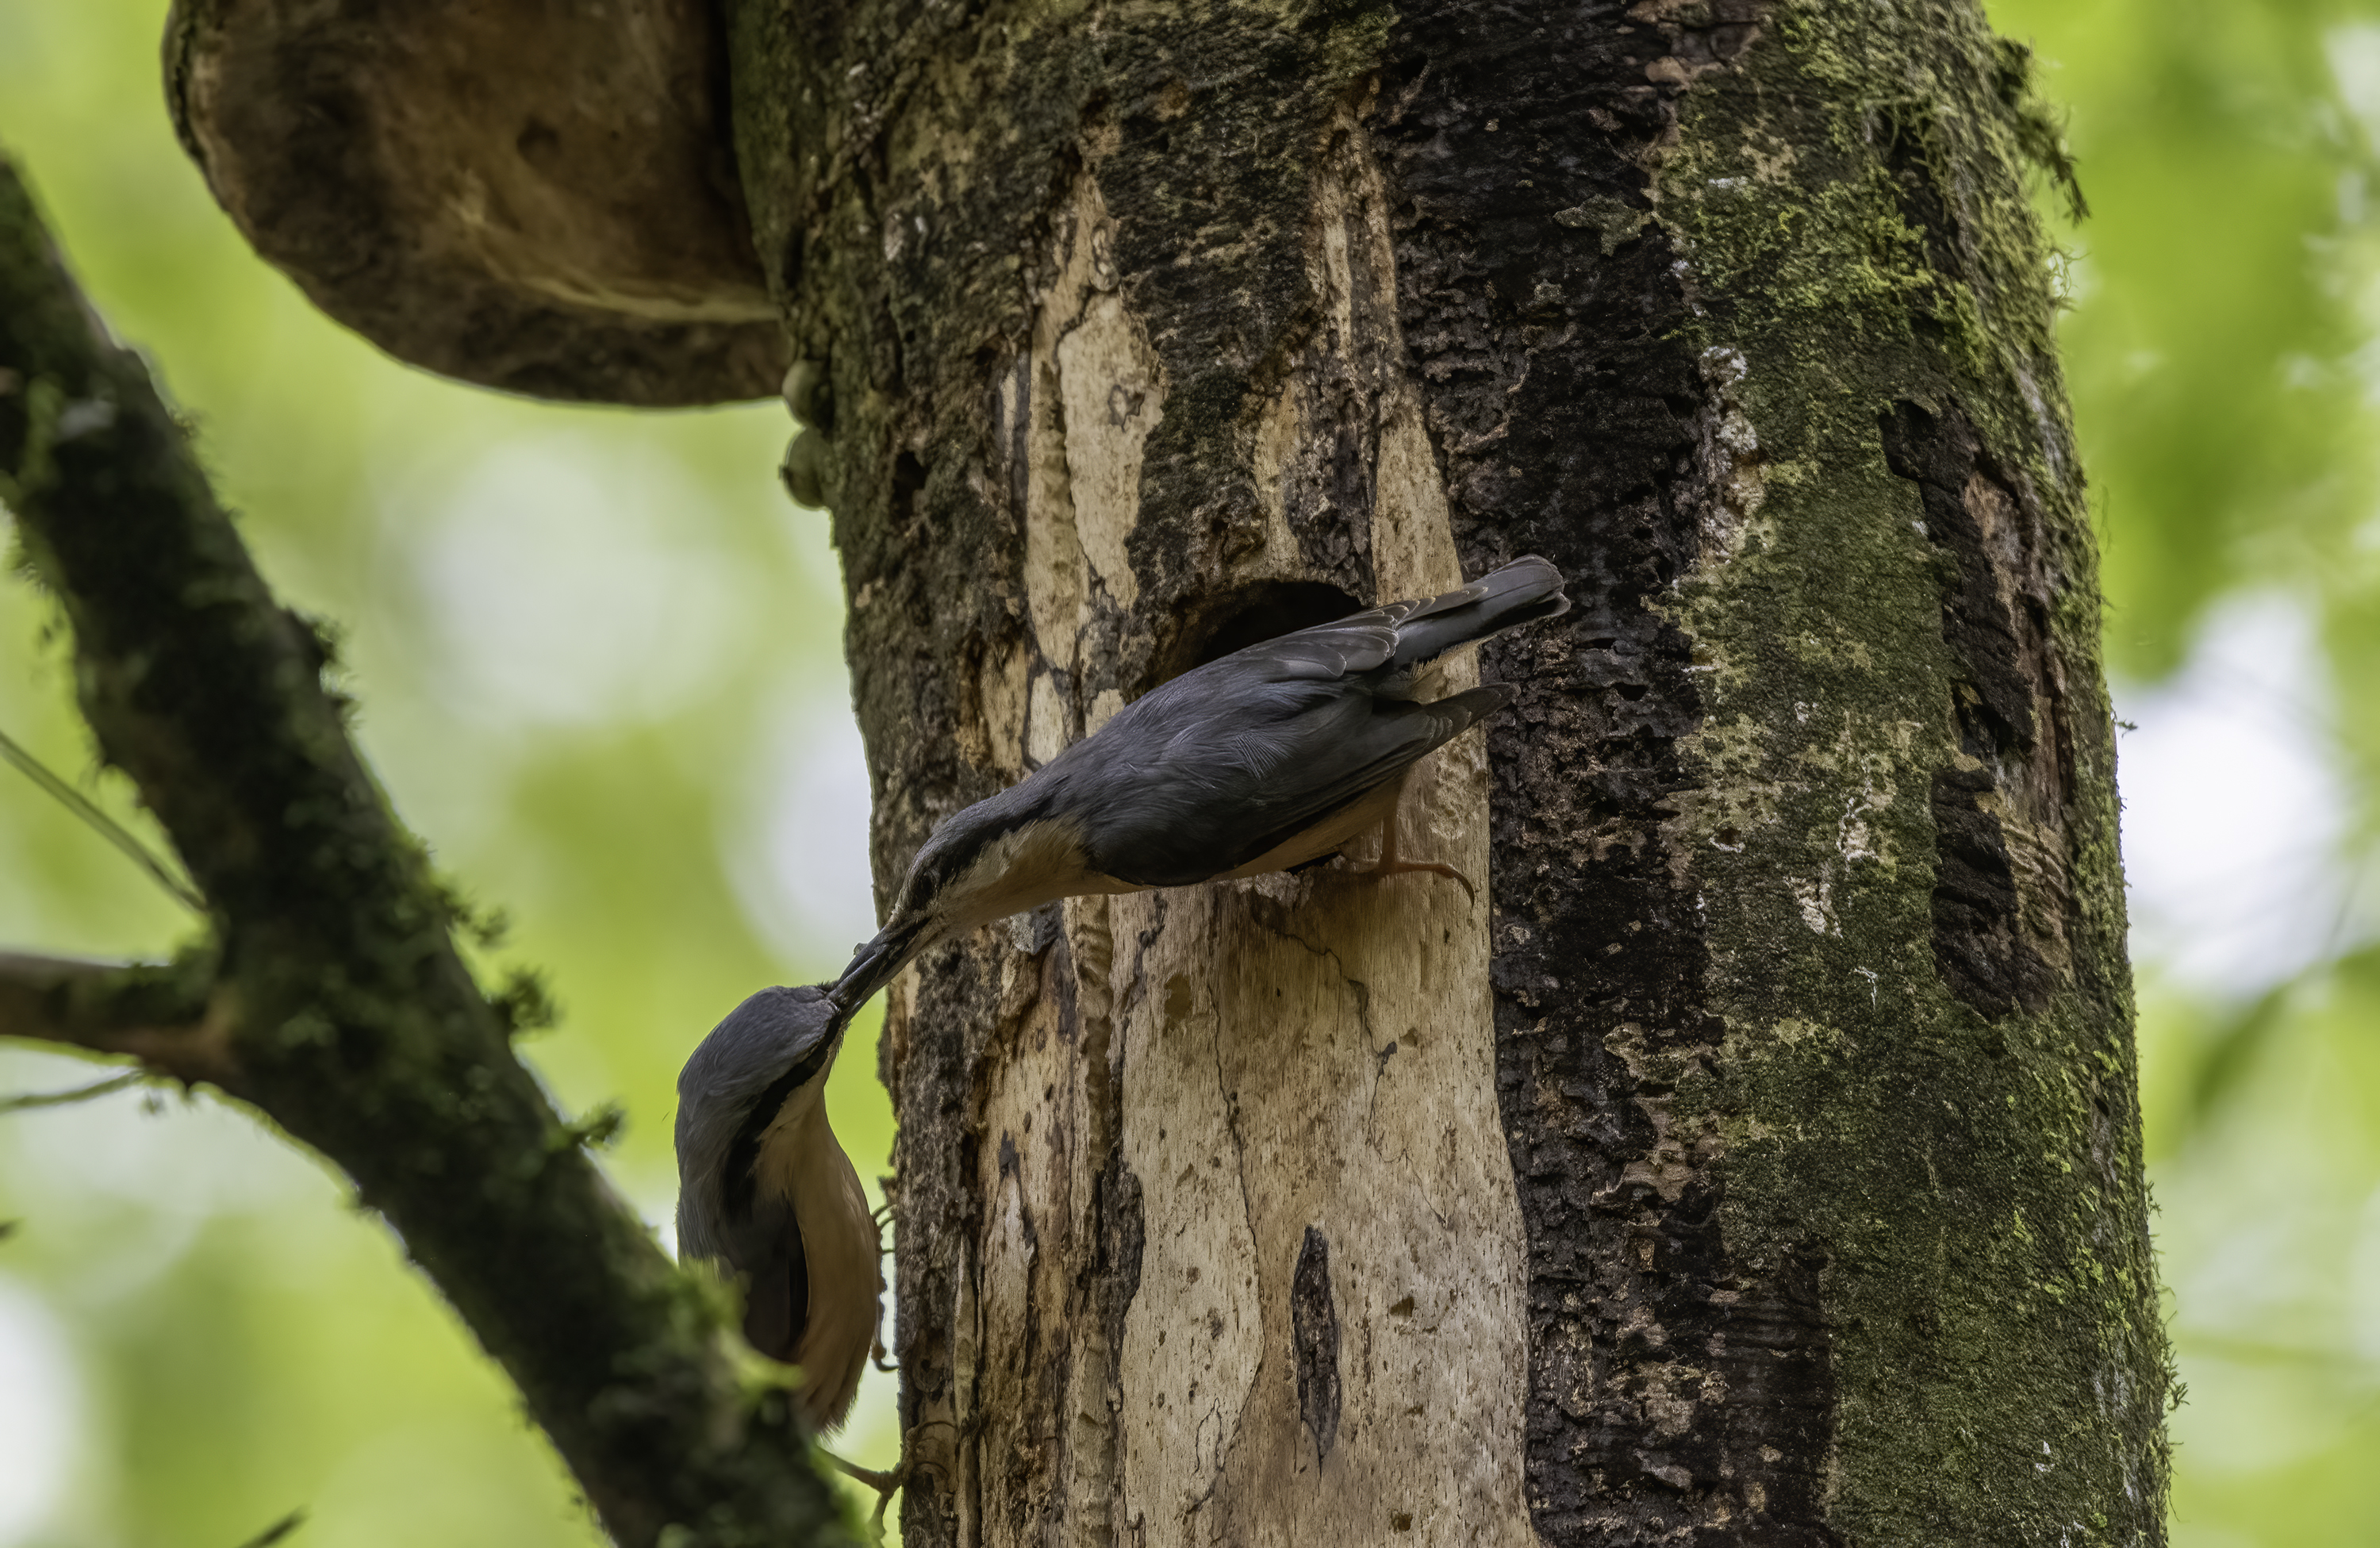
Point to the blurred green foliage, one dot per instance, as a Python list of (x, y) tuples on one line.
[(594, 652), (2221, 305), (597, 656)]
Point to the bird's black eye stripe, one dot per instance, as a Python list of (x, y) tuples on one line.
[(743, 1150), (932, 877)]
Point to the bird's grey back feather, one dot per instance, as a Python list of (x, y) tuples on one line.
[(1404, 637), (772, 1036)]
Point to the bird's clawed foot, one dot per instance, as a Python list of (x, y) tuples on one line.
[(885, 1484), (1391, 864), (1436, 868)]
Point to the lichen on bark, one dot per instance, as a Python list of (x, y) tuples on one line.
[(1905, 399)]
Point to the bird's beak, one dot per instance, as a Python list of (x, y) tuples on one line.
[(877, 963)]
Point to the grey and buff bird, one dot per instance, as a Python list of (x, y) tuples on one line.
[(1275, 756), (765, 1190)]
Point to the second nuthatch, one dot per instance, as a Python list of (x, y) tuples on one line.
[(765, 1190), (1274, 757)]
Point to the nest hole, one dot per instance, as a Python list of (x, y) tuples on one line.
[(1249, 615)]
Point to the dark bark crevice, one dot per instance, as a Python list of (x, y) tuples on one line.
[(1997, 599), (1315, 1323), (1978, 942)]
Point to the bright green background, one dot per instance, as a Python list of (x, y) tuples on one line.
[(598, 657)]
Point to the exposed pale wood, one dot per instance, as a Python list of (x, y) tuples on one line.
[(1278, 1056)]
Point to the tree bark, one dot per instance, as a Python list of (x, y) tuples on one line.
[(1758, 1160)]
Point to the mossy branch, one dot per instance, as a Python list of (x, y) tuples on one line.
[(336, 1003), (159, 1015)]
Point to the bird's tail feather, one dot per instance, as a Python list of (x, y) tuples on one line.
[(1527, 589)]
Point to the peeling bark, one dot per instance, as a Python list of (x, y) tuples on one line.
[(1757, 1160)]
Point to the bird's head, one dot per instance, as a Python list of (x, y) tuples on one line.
[(772, 1052), (982, 864), (952, 863)]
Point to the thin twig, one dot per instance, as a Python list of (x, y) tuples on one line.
[(108, 1087), (99, 823), (278, 1531)]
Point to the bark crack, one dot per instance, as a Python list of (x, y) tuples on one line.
[(1314, 1321)]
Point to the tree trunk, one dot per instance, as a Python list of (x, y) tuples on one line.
[(1757, 1160)]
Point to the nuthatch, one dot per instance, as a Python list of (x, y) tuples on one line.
[(764, 1187), (1272, 757)]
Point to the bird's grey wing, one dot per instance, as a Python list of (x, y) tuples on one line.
[(1274, 679), (1402, 636), (728, 1092), (1346, 647), (1207, 772), (1307, 789), (748, 1234), (766, 1246), (703, 1136), (1199, 813)]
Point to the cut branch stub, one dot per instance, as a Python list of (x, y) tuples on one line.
[(533, 195)]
